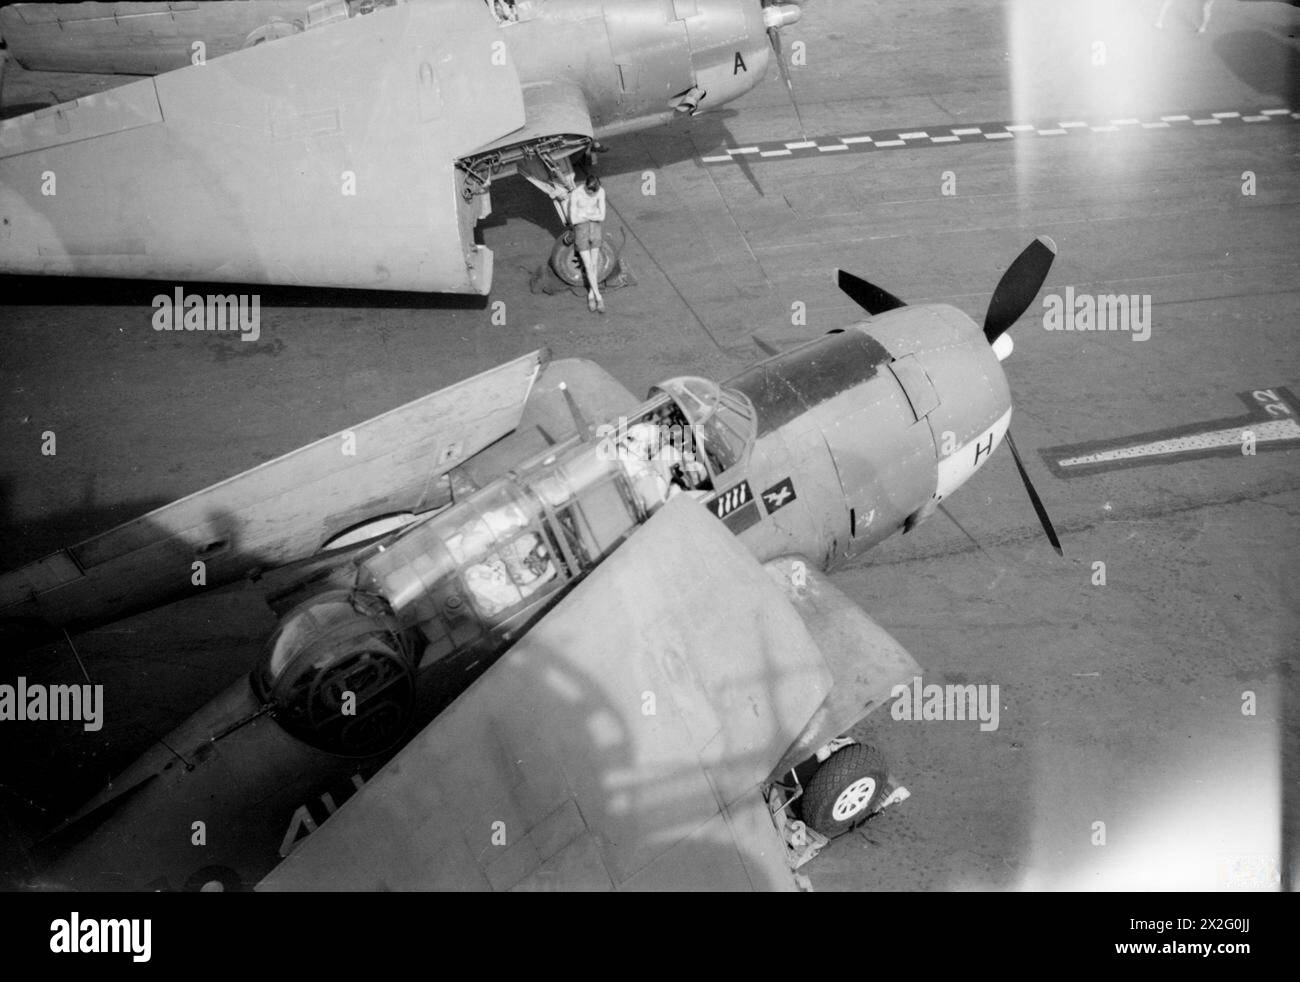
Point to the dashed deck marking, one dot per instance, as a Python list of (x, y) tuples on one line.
[(1272, 420), (933, 136)]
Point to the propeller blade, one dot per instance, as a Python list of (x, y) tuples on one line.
[(1034, 499), (868, 296), (1018, 286), (774, 35)]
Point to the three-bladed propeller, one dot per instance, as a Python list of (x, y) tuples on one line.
[(1011, 298), (777, 15)]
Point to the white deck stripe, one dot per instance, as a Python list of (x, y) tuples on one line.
[(1264, 431), (1012, 129)]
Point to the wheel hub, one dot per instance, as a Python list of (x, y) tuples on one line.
[(853, 799)]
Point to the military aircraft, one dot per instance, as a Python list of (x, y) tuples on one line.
[(358, 149), (534, 651)]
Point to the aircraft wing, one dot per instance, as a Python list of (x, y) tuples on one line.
[(550, 108), (136, 38), (864, 660), (277, 512), (548, 419), (327, 158), (622, 743)]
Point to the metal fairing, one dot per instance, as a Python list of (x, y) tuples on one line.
[(787, 385), (959, 363), (833, 414), (644, 84), (728, 47)]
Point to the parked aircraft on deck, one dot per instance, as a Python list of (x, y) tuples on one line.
[(530, 606)]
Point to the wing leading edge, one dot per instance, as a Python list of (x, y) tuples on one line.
[(138, 38), (277, 512)]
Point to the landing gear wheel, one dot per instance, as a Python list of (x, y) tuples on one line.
[(567, 264), (847, 786), (214, 879)]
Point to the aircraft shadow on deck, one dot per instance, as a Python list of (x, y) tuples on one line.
[(85, 291), (1267, 64)]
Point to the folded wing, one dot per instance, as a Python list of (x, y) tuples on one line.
[(276, 513), (139, 38), (327, 158), (623, 743)]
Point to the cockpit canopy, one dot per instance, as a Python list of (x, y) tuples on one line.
[(514, 11), (718, 421)]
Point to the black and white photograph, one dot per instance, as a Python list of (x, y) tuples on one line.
[(837, 446)]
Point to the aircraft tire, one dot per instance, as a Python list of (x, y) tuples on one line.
[(844, 790), (568, 267)]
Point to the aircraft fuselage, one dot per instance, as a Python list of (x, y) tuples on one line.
[(821, 451), (629, 57)]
